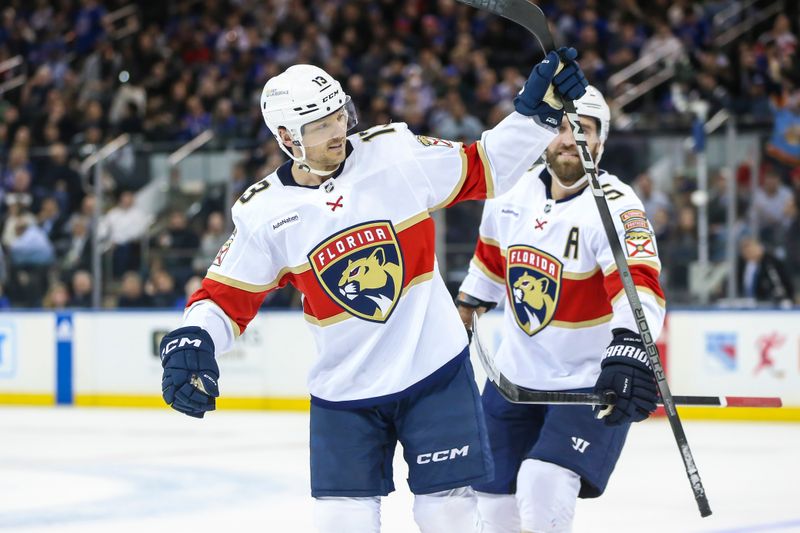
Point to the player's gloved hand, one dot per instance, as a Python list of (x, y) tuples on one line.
[(537, 97), (626, 371), (191, 373)]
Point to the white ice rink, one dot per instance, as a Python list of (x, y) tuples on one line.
[(123, 471)]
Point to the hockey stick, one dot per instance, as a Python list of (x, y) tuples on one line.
[(518, 394), (531, 18)]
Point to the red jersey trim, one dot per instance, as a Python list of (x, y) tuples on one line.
[(476, 181), (489, 258), (645, 277)]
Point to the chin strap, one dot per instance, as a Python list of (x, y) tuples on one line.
[(322, 173)]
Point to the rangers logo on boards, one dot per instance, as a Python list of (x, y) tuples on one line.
[(534, 283), (361, 268)]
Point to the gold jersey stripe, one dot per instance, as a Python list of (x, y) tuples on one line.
[(585, 324), (580, 275), (659, 300), (407, 223), (491, 242), (491, 275), (652, 264), (459, 185), (487, 170), (341, 317)]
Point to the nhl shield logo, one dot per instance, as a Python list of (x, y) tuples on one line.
[(534, 283), (361, 268)]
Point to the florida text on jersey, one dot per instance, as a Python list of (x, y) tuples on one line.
[(360, 249), (552, 264)]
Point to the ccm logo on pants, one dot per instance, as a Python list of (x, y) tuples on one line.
[(443, 455)]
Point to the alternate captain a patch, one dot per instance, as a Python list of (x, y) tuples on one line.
[(639, 241), (361, 268), (534, 283)]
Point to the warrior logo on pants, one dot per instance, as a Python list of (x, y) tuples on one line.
[(361, 268), (534, 282)]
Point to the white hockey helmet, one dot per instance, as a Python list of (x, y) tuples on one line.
[(298, 96), (592, 104)]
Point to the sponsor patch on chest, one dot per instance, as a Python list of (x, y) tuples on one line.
[(283, 222)]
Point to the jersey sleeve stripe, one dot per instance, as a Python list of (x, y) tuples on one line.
[(645, 277), (476, 180), (487, 170), (655, 265), (489, 258), (407, 223), (238, 304), (236, 331), (489, 274), (459, 188), (659, 300)]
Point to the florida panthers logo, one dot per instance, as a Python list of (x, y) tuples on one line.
[(361, 268), (534, 282)]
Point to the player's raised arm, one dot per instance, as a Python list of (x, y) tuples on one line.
[(492, 165)]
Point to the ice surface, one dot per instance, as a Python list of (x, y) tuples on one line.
[(73, 470)]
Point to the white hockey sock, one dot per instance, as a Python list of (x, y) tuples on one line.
[(498, 513), (546, 497), (354, 515), (447, 511)]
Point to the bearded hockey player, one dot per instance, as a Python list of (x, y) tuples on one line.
[(347, 222), (567, 326)]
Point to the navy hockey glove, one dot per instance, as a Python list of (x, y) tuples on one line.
[(537, 98), (191, 373), (625, 370)]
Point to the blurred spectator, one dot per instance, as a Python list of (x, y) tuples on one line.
[(50, 219), (653, 200), (191, 286), (121, 228), (761, 275), (16, 212), (456, 124), (57, 296), (131, 292), (177, 244), (784, 144), (679, 252), (77, 251), (161, 288), (213, 238), (81, 289), (31, 247), (769, 207)]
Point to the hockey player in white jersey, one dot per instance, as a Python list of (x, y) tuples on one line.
[(347, 222), (567, 325)]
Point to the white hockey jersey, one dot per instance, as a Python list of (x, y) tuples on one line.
[(551, 262), (360, 248)]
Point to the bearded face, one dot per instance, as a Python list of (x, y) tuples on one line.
[(562, 153)]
